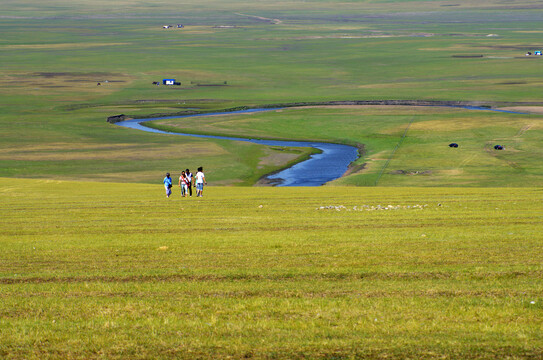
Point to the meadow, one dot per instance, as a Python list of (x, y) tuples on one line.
[(109, 270), (53, 55), (420, 133), (420, 251)]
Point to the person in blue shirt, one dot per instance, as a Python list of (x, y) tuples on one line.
[(168, 185)]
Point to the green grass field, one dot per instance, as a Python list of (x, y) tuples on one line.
[(423, 252), (108, 270), (53, 55), (424, 157)]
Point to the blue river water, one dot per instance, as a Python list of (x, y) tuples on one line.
[(330, 164)]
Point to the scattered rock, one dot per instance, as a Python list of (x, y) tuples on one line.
[(372, 207), (411, 172), (116, 118)]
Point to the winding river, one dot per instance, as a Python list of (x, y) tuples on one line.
[(330, 164)]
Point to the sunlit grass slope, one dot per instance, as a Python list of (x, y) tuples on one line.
[(104, 270)]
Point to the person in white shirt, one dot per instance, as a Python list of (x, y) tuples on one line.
[(200, 181), (188, 174)]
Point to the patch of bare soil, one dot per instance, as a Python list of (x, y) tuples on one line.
[(526, 109), (410, 172), (277, 158), (267, 182), (78, 75), (354, 169), (226, 27), (467, 56)]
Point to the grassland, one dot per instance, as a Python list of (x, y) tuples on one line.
[(423, 159), (54, 54), (105, 270), (413, 268)]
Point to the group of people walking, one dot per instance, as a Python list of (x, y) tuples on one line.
[(186, 182)]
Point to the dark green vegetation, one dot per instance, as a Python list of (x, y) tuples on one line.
[(97, 270), (53, 55)]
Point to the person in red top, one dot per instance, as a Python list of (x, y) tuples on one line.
[(183, 184)]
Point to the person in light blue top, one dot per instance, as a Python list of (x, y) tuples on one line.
[(168, 185)]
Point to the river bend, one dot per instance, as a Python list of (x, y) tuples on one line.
[(330, 164)]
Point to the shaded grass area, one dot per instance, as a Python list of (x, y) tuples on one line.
[(93, 270)]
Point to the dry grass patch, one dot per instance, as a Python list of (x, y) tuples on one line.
[(395, 85), (60, 46), (382, 155), (64, 152), (383, 109), (76, 85), (462, 123), (453, 47), (194, 30), (526, 109), (450, 172), (277, 157), (143, 176)]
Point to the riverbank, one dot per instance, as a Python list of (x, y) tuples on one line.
[(424, 159), (328, 163), (535, 107), (307, 170)]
